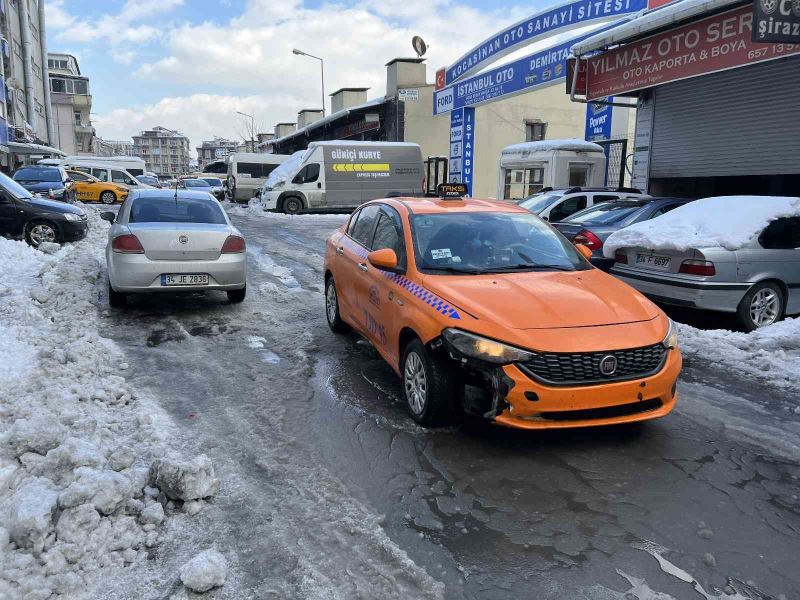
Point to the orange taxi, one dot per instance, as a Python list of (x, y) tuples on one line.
[(483, 308)]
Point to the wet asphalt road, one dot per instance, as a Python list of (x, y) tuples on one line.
[(310, 436)]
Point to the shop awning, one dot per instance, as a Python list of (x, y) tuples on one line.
[(25, 148)]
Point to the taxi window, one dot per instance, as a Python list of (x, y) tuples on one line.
[(362, 231), (352, 224), (387, 235)]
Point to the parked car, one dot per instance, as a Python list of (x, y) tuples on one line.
[(592, 226), (91, 189), (46, 182), (736, 254), (247, 172), (167, 240), (151, 180), (37, 219), (217, 186), (480, 306), (198, 185), (557, 205)]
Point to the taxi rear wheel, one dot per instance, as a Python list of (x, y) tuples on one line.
[(332, 313), (108, 197), (428, 386)]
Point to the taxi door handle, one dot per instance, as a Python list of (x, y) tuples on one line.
[(340, 250), (362, 266)]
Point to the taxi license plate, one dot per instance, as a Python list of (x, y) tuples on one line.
[(184, 279), (653, 261)]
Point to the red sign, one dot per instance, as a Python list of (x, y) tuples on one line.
[(580, 83), (441, 78), (651, 4), (714, 44)]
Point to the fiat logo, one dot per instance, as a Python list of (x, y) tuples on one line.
[(183, 239), (608, 365)]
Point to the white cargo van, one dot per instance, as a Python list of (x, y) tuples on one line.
[(528, 167), (341, 175), (247, 172), (132, 164), (104, 172)]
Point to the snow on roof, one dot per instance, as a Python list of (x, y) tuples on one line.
[(570, 145), (723, 221), (650, 20), (332, 117), (362, 143)]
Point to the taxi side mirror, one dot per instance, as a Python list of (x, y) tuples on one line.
[(585, 251), (385, 259)]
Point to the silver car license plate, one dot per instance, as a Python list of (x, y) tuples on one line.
[(184, 279), (653, 261)]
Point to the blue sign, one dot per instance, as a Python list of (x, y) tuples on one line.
[(535, 70), (598, 121), (455, 168), (469, 149), (570, 14)]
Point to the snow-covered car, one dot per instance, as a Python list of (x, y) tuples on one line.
[(737, 254), (173, 240), (37, 219)]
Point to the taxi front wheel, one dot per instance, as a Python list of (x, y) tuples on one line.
[(428, 386)]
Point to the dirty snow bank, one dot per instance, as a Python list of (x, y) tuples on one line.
[(253, 209), (724, 221), (770, 355), (76, 441)]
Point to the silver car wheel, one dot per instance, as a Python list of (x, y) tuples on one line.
[(41, 232), (765, 307), (415, 383), (331, 306)]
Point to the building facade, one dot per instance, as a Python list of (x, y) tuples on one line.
[(164, 151), (120, 147), (25, 113), (216, 149), (71, 106)]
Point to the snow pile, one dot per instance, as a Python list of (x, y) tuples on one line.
[(285, 170), (770, 355), (570, 145), (725, 221), (76, 441), (205, 571)]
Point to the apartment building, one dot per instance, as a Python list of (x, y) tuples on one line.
[(216, 149), (71, 106), (120, 147), (164, 151)]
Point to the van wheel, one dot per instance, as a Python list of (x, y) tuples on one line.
[(762, 305), (292, 205), (428, 386), (108, 197)]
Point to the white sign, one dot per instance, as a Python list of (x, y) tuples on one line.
[(641, 144), (408, 95)]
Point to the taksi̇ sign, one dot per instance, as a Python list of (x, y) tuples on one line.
[(539, 25), (712, 44), (776, 21), (531, 72), (462, 147)]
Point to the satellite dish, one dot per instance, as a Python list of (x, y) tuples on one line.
[(419, 46)]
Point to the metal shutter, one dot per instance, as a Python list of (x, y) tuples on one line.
[(738, 122)]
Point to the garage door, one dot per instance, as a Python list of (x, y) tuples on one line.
[(738, 122)]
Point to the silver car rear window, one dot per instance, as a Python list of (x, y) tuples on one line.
[(170, 210)]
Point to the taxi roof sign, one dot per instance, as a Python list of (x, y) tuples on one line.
[(451, 190)]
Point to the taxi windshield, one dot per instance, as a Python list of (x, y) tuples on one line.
[(490, 242)]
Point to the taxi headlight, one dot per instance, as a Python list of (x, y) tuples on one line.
[(482, 348), (671, 339)]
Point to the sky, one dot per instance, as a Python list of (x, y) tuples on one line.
[(191, 65)]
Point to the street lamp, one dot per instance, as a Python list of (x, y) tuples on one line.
[(322, 73), (252, 129)]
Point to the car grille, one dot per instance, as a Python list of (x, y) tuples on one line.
[(584, 367)]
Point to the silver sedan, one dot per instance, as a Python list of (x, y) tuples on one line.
[(167, 240), (759, 282)]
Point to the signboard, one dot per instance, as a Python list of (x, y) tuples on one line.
[(776, 21), (462, 147), (357, 128), (640, 171), (408, 95), (533, 71), (573, 13), (598, 120), (713, 44)]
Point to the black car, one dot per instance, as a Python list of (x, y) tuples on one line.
[(46, 182), (37, 219)]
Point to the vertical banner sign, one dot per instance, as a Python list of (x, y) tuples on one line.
[(598, 120), (456, 145), (468, 158)]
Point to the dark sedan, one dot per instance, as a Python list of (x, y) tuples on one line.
[(592, 226), (37, 219), (46, 182)]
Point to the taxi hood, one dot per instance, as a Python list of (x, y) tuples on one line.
[(544, 299)]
